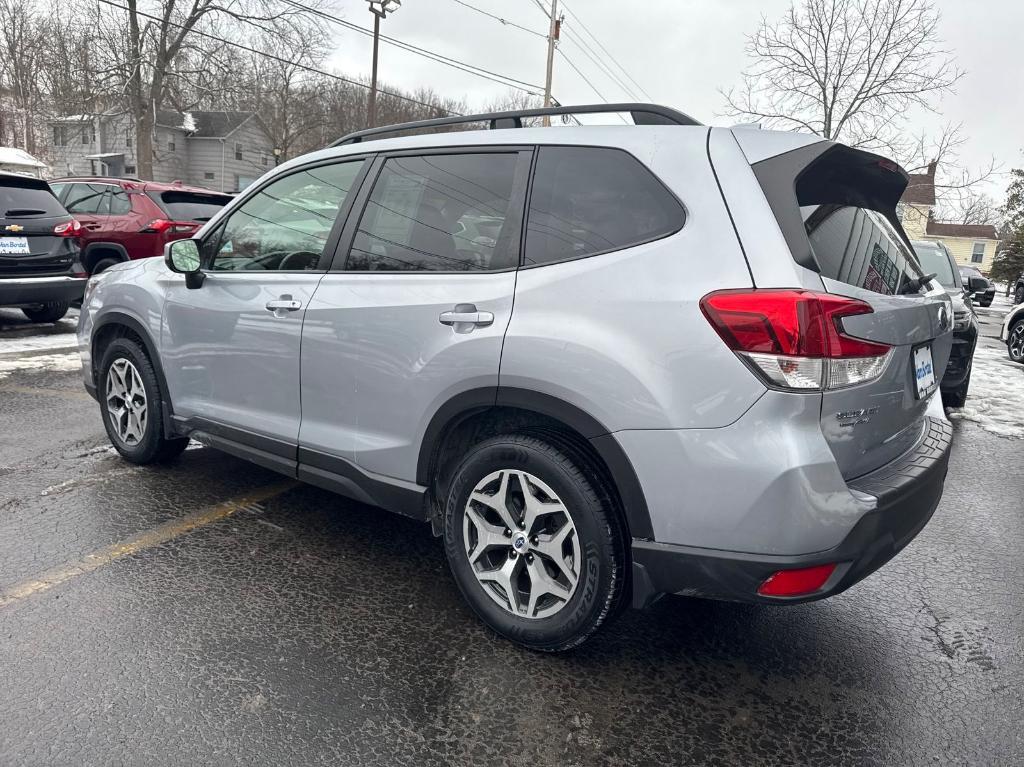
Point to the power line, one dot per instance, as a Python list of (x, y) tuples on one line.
[(505, 22), (432, 55), (587, 81), (282, 60), (606, 51), (587, 51)]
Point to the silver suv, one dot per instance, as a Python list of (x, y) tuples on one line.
[(683, 360)]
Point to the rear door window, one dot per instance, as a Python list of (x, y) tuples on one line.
[(859, 247), (88, 199), (190, 206), (591, 200), (440, 213)]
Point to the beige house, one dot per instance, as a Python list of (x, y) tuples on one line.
[(971, 244)]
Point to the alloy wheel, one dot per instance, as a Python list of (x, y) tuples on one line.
[(126, 401), (1016, 343), (521, 543)]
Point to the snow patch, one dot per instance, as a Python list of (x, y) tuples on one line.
[(15, 345), (995, 400), (54, 362), (188, 122)]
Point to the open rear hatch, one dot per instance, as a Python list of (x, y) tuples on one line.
[(838, 214)]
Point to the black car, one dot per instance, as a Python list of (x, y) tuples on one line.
[(40, 270), (986, 291), (936, 259)]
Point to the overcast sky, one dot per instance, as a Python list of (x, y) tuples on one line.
[(681, 52)]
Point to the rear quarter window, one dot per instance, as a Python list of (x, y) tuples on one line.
[(190, 206), (590, 200)]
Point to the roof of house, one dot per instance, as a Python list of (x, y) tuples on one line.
[(10, 155), (203, 124), (973, 231), (921, 187)]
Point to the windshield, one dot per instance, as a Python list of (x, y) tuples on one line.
[(935, 261)]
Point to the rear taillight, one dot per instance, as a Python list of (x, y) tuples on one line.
[(794, 338), (161, 225), (70, 228)]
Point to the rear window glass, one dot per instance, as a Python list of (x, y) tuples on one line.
[(588, 200), (190, 206), (934, 260), (859, 247), (27, 200)]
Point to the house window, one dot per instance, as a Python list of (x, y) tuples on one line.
[(209, 175), (978, 254), (238, 151), (170, 145), (129, 170), (264, 159), (60, 136)]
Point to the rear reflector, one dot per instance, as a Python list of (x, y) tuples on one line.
[(794, 583), (794, 339)]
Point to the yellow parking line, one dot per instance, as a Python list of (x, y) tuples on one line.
[(144, 540)]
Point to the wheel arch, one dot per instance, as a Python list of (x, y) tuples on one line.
[(114, 325), (95, 252), (525, 407)]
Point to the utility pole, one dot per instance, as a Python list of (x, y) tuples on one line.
[(379, 9), (553, 32)]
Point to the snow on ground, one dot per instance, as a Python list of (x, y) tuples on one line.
[(60, 362), (996, 397), (34, 343)]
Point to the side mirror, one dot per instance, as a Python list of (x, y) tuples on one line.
[(182, 256), (976, 284)]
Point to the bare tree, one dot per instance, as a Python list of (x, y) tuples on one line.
[(22, 43), (846, 69)]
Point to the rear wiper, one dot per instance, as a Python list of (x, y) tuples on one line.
[(24, 212), (915, 285)]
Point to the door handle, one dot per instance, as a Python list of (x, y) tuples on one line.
[(283, 305), (465, 317)]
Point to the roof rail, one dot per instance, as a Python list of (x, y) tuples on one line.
[(642, 114)]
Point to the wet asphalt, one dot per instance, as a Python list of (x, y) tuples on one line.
[(306, 629)]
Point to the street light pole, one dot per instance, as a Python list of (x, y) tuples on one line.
[(379, 9)]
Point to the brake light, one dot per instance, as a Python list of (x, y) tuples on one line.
[(794, 583), (72, 228), (794, 338), (161, 225)]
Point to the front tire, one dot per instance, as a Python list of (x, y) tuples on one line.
[(48, 312), (131, 405), (1018, 295), (534, 541), (1015, 342)]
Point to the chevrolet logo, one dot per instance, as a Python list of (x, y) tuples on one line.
[(14, 228)]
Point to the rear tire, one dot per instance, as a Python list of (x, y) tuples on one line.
[(958, 396), (986, 302), (566, 565), (104, 264), (131, 405), (48, 312)]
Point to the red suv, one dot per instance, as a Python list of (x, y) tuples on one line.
[(125, 218)]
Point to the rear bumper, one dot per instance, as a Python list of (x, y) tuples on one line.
[(26, 291), (908, 491)]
